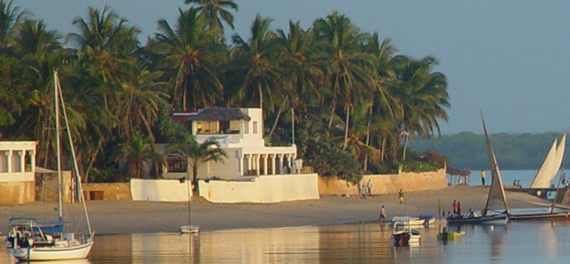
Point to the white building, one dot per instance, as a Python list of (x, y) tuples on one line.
[(17, 167), (239, 131)]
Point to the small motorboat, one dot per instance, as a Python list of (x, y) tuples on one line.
[(408, 221), (428, 219), (189, 229), (403, 235), (450, 235)]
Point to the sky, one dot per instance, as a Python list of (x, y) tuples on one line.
[(506, 59)]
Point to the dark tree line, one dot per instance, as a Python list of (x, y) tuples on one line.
[(467, 150)]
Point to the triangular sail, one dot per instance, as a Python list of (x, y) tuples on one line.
[(497, 198), (550, 165)]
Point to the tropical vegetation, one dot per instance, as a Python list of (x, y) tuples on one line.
[(353, 99)]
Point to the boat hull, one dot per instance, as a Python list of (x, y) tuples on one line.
[(486, 220), (553, 216), (189, 229), (406, 238), (52, 253)]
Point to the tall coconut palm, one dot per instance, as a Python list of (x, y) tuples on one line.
[(105, 42), (302, 62), (196, 154), (216, 11), (257, 62), (9, 18), (422, 96), (350, 67), (139, 98), (190, 57)]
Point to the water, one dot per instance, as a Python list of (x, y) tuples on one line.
[(517, 242), (507, 176)]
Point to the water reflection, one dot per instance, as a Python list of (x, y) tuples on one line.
[(527, 242)]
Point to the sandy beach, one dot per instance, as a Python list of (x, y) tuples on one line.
[(123, 217)]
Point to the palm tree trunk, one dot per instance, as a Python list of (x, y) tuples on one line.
[(367, 139), (346, 127), (332, 113), (278, 117)]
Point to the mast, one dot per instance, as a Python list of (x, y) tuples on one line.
[(73, 156), (496, 191), (57, 147), (557, 189)]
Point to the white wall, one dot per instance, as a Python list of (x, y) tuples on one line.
[(159, 190), (263, 189)]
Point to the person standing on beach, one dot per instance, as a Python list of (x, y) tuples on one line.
[(369, 187), (454, 206), (401, 196), (483, 177), (382, 214)]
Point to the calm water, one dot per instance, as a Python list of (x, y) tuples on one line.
[(518, 242), (507, 176)]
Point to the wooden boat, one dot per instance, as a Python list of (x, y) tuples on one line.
[(403, 235), (450, 235), (29, 240), (496, 209), (550, 165), (408, 221), (544, 176), (189, 229)]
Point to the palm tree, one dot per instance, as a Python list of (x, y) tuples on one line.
[(139, 98), (350, 67), (196, 154), (190, 58), (9, 18), (216, 11), (257, 63), (302, 62), (421, 95), (137, 154)]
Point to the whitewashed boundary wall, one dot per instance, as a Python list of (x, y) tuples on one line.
[(262, 189)]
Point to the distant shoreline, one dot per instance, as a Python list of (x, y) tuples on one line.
[(127, 217)]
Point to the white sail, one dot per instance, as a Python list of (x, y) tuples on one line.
[(497, 199), (550, 165)]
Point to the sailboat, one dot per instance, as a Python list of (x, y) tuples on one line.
[(550, 165), (496, 209), (189, 228), (30, 240)]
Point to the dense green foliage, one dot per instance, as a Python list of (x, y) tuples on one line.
[(468, 150), (354, 98)]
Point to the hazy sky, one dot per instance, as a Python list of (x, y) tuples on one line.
[(508, 59)]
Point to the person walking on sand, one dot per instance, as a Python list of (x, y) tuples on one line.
[(401, 196), (369, 184), (382, 214), (483, 177)]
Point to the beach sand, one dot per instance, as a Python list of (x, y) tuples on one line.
[(124, 217)]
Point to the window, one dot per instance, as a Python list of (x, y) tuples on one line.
[(246, 127), (254, 127), (177, 165)]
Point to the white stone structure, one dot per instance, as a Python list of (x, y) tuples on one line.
[(239, 131), (17, 167)]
